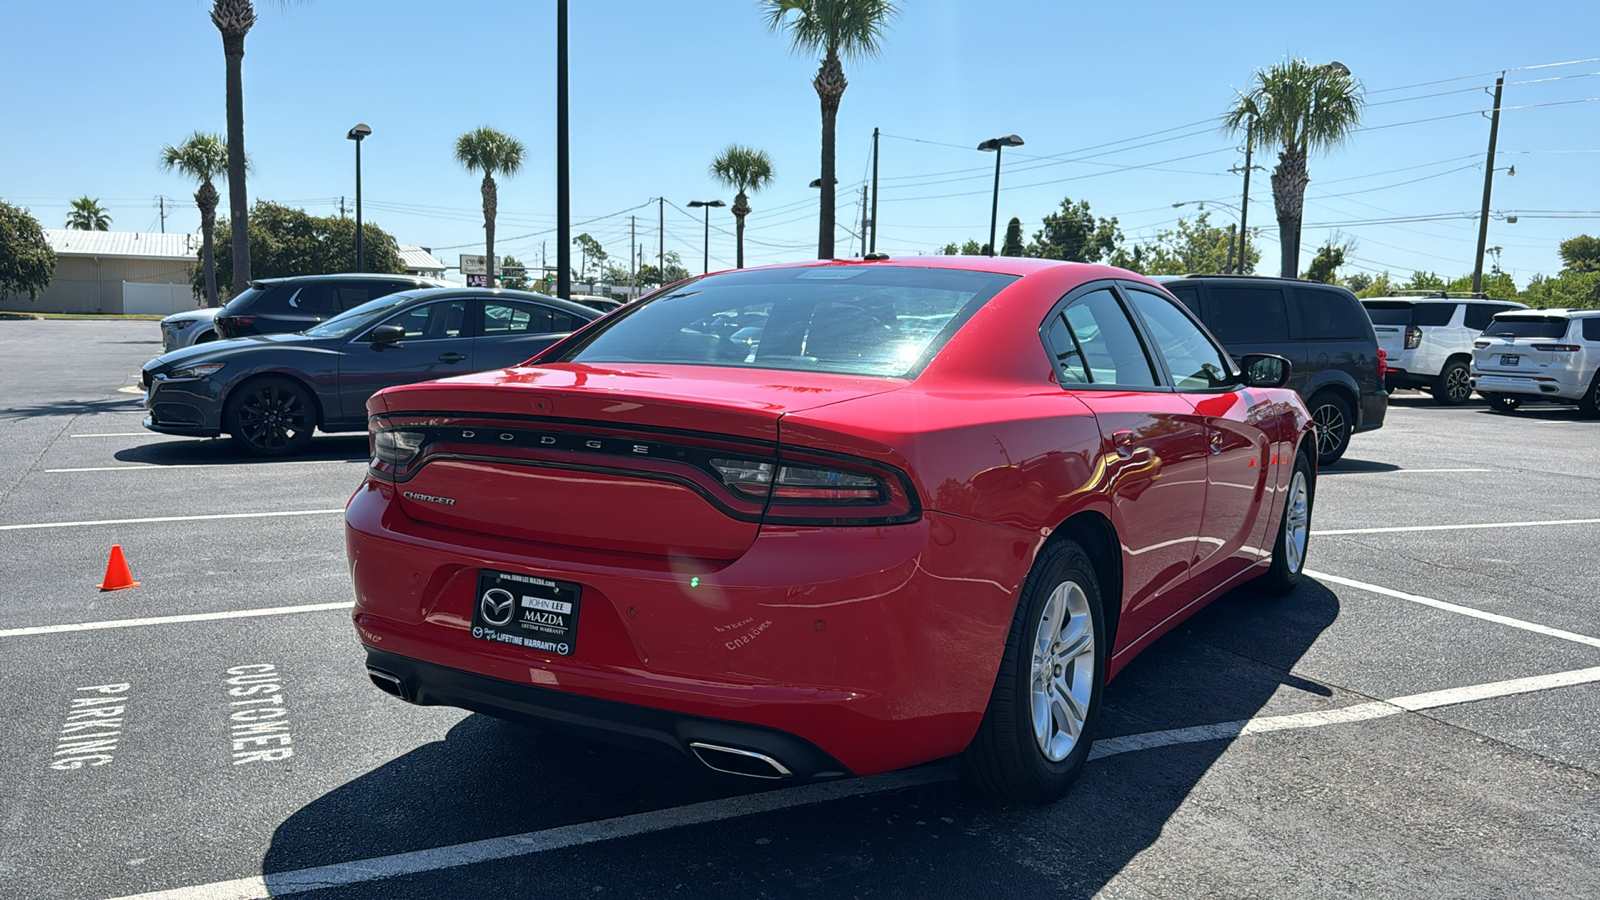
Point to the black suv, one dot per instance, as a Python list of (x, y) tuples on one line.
[(1322, 330), (277, 305)]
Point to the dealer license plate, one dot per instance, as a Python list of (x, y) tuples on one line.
[(1509, 360), (538, 613)]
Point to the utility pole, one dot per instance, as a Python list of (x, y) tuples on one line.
[(873, 247), (1488, 187), (661, 234), (341, 207), (563, 186), (163, 203), (633, 252), (1244, 204), (1229, 267), (863, 220)]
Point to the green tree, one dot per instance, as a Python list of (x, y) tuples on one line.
[(26, 260), (746, 170), (674, 271), (291, 241), (1074, 233), (493, 153), (1196, 247), (970, 248), (88, 215), (1330, 256), (1376, 286), (1357, 281), (203, 158), (851, 29), (1296, 108), (1569, 290), (1581, 254), (1423, 280), (591, 251), (1013, 243), (513, 274)]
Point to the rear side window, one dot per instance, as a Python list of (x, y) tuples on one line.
[(1433, 314), (306, 299), (1190, 298), (1591, 328), (1095, 343), (853, 319), (1526, 326), (352, 296), (1329, 315), (1248, 315), (503, 318)]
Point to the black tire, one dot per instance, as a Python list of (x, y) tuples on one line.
[(1502, 403), (1334, 422), (271, 416), (1454, 384), (1590, 404), (1288, 556), (1005, 761)]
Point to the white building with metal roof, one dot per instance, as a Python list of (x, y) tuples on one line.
[(420, 261), (94, 270)]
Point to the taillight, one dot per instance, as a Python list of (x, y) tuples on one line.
[(803, 488), (806, 484), (1557, 348), (1413, 337), (1383, 365), (1480, 344), (235, 321)]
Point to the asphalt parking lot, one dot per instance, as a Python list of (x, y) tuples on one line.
[(1419, 721)]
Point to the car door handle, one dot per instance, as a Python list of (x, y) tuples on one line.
[(1123, 442), (451, 357)]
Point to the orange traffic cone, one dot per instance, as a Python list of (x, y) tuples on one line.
[(117, 574)]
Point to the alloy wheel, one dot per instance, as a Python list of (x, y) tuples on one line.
[(1062, 680), (1297, 523), (272, 418), (1458, 384), (1331, 426)]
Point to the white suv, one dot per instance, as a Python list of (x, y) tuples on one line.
[(1546, 354), (1428, 340)]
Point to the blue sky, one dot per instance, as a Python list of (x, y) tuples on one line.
[(659, 86)]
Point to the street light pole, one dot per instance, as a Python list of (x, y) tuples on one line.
[(563, 182), (996, 145), (358, 134), (705, 263)]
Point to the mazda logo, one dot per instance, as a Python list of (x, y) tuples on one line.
[(497, 606)]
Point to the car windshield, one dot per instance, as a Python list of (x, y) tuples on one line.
[(859, 320), (359, 317), (1389, 312), (1527, 327)]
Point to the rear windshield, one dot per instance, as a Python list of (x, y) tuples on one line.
[(857, 320), (243, 300), (1388, 312), (1525, 326)]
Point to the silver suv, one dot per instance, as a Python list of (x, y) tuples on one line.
[(1428, 339)]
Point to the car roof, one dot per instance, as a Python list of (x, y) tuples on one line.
[(1579, 313), (1168, 279), (438, 293), (1437, 298), (350, 276)]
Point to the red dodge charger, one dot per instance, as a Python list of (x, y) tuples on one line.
[(827, 519)]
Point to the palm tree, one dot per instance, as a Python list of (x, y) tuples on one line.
[(234, 19), (203, 157), (744, 169), (851, 28), (1295, 108), (490, 152), (88, 215)]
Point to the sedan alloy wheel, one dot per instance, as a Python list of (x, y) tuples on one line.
[(272, 417)]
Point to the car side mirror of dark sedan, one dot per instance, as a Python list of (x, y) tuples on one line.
[(384, 335), (1264, 370)]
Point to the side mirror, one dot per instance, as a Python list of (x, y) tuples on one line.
[(384, 335), (1264, 370)]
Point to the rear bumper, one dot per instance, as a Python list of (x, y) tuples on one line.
[(1374, 407), (878, 646), (1525, 386), (629, 725)]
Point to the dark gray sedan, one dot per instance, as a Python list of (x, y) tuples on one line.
[(271, 391)]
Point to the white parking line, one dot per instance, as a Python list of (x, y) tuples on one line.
[(172, 620), (1523, 624), (1360, 712), (298, 881), (260, 515), (1414, 471), (147, 466), (118, 434), (1400, 528)]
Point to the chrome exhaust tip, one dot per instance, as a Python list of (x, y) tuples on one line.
[(389, 683), (733, 761)]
